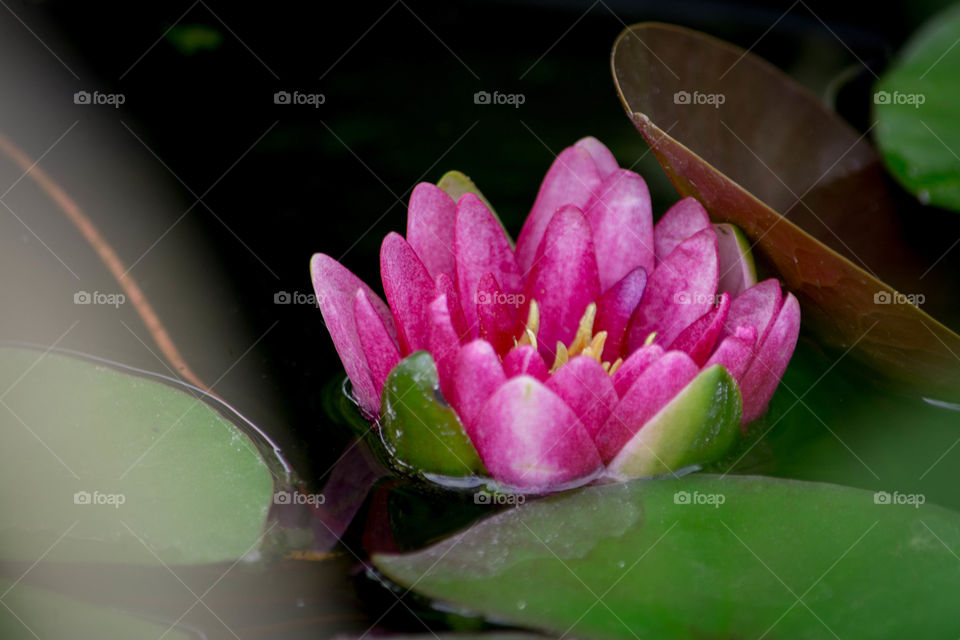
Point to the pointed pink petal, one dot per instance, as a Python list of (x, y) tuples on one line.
[(701, 336), (497, 314), (737, 271), (756, 307), (651, 391), (764, 373), (445, 286), (586, 388), (681, 221), (409, 289), (606, 163), (477, 375), (443, 342), (524, 360), (336, 287), (681, 289), (563, 280), (735, 352), (379, 348), (430, 223), (481, 246), (530, 439), (622, 223), (614, 309), (571, 180), (627, 373)]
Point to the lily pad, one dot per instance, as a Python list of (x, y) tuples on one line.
[(761, 152), (916, 104), (703, 557), (99, 465)]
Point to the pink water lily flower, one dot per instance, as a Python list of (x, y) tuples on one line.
[(559, 354)]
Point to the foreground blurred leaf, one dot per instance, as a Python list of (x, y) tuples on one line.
[(751, 144), (665, 558), (916, 105), (28, 616), (167, 478)]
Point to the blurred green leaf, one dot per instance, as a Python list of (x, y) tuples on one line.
[(916, 105), (103, 466)]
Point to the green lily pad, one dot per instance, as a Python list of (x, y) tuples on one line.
[(703, 557), (420, 430), (915, 107), (698, 426), (102, 466)]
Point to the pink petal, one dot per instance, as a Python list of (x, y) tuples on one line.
[(701, 336), (443, 342), (681, 221), (481, 246), (606, 163), (571, 180), (445, 286), (563, 280), (651, 391), (336, 287), (477, 375), (524, 360), (379, 348), (614, 309), (430, 223), (530, 439), (586, 388), (409, 289), (624, 377), (764, 373), (497, 314), (756, 307), (735, 352), (681, 289), (622, 223)]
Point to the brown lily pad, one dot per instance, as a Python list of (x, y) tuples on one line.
[(763, 153)]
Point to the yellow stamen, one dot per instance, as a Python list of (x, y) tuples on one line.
[(650, 339), (561, 358), (584, 331), (615, 366), (595, 349), (533, 326)]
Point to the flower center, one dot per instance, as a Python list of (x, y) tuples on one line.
[(585, 342)]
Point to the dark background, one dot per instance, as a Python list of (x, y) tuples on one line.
[(286, 181)]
